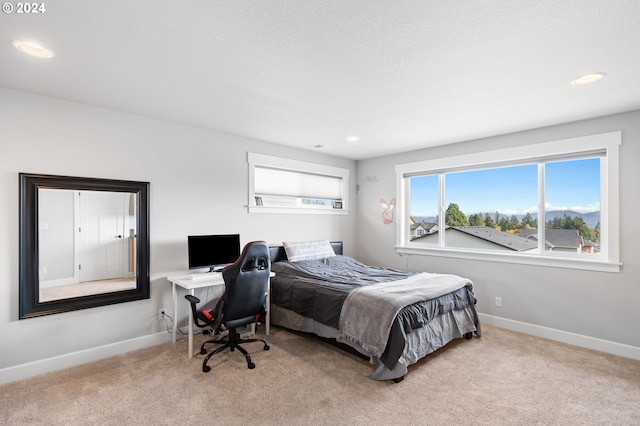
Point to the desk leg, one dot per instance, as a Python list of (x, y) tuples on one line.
[(191, 292), (268, 316), (175, 312)]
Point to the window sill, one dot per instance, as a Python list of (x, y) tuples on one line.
[(297, 210), (523, 259)]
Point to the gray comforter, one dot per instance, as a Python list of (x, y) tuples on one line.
[(380, 303), (318, 289)]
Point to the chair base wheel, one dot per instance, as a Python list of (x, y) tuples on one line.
[(251, 366), (468, 336), (206, 368), (266, 347), (203, 351)]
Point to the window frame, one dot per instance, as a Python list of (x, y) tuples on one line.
[(286, 164), (609, 143)]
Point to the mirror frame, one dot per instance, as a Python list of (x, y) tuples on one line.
[(30, 183)]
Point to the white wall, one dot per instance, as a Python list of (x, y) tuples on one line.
[(581, 307), (56, 244), (198, 185)]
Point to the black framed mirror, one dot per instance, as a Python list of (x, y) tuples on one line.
[(84, 242)]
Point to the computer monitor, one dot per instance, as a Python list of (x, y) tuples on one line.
[(212, 251)]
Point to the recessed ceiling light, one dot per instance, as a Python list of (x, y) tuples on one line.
[(588, 78), (352, 138), (33, 49)]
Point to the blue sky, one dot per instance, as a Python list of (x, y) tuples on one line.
[(570, 185)]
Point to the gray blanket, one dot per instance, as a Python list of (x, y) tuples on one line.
[(380, 303)]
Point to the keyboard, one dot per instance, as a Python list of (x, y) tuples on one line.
[(205, 276)]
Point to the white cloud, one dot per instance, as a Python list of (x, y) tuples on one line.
[(595, 207), (580, 209)]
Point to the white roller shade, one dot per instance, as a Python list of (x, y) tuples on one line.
[(271, 181)]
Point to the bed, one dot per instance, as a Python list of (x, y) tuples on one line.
[(393, 317)]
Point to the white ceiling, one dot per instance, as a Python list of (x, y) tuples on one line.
[(400, 74)]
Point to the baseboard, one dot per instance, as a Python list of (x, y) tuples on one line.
[(30, 369), (23, 371), (588, 342)]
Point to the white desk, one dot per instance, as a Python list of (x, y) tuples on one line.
[(212, 279)]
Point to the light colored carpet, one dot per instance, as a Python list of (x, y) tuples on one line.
[(503, 378)]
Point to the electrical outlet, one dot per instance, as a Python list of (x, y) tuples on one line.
[(161, 312), (498, 301)]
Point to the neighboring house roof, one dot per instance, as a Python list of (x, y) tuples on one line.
[(425, 225), (430, 225), (565, 238), (503, 239)]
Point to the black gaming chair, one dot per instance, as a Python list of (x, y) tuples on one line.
[(242, 303)]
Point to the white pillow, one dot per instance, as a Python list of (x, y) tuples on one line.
[(308, 250)]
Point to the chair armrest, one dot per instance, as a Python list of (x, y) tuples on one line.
[(192, 299)]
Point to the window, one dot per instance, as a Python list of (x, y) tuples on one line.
[(553, 204), (280, 185)]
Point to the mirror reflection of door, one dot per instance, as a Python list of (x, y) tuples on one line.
[(86, 242), (102, 243)]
